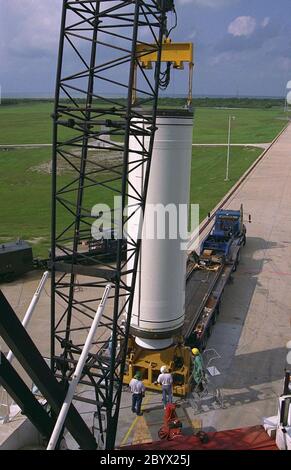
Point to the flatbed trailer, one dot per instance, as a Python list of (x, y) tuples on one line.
[(204, 290)]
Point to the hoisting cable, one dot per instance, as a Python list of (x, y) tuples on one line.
[(165, 76)]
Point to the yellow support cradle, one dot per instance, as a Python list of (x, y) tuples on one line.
[(177, 358)]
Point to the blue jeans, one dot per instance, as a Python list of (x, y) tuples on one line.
[(167, 392), (136, 403)]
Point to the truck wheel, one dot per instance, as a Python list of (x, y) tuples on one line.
[(237, 261)]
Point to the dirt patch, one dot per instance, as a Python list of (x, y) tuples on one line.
[(96, 160), (42, 168), (36, 240)]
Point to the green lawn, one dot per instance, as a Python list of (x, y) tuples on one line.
[(31, 123), (24, 197), (251, 126), (25, 194), (26, 123), (208, 173)]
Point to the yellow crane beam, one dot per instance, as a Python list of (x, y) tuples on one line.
[(176, 53)]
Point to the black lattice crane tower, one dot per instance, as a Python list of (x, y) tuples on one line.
[(96, 81), (108, 81)]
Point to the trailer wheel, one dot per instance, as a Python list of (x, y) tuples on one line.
[(237, 261)]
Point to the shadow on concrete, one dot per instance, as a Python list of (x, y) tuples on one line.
[(245, 373), (238, 296), (258, 368), (251, 378), (249, 270), (250, 395)]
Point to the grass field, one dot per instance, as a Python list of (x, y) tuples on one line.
[(250, 125), (25, 194), (31, 123), (208, 173)]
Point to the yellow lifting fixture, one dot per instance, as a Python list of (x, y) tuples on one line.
[(174, 53)]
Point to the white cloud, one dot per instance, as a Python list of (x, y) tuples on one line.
[(265, 22), (242, 26), (36, 26), (209, 3)]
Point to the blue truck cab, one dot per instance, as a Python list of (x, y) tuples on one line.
[(228, 230)]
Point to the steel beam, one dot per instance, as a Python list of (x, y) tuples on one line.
[(24, 349), (24, 398)]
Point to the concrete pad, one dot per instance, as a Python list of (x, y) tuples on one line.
[(254, 325)]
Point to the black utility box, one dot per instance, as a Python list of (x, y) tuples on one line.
[(15, 259)]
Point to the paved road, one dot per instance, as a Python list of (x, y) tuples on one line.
[(263, 146), (255, 323), (23, 146)]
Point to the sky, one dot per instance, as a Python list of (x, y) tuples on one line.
[(242, 47)]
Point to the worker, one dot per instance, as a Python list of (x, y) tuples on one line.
[(165, 379), (138, 392), (198, 369)]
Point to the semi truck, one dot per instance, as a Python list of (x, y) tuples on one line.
[(207, 275)]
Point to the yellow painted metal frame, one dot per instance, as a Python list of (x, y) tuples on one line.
[(177, 53), (148, 363)]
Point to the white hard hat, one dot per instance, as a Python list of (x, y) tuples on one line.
[(163, 369)]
